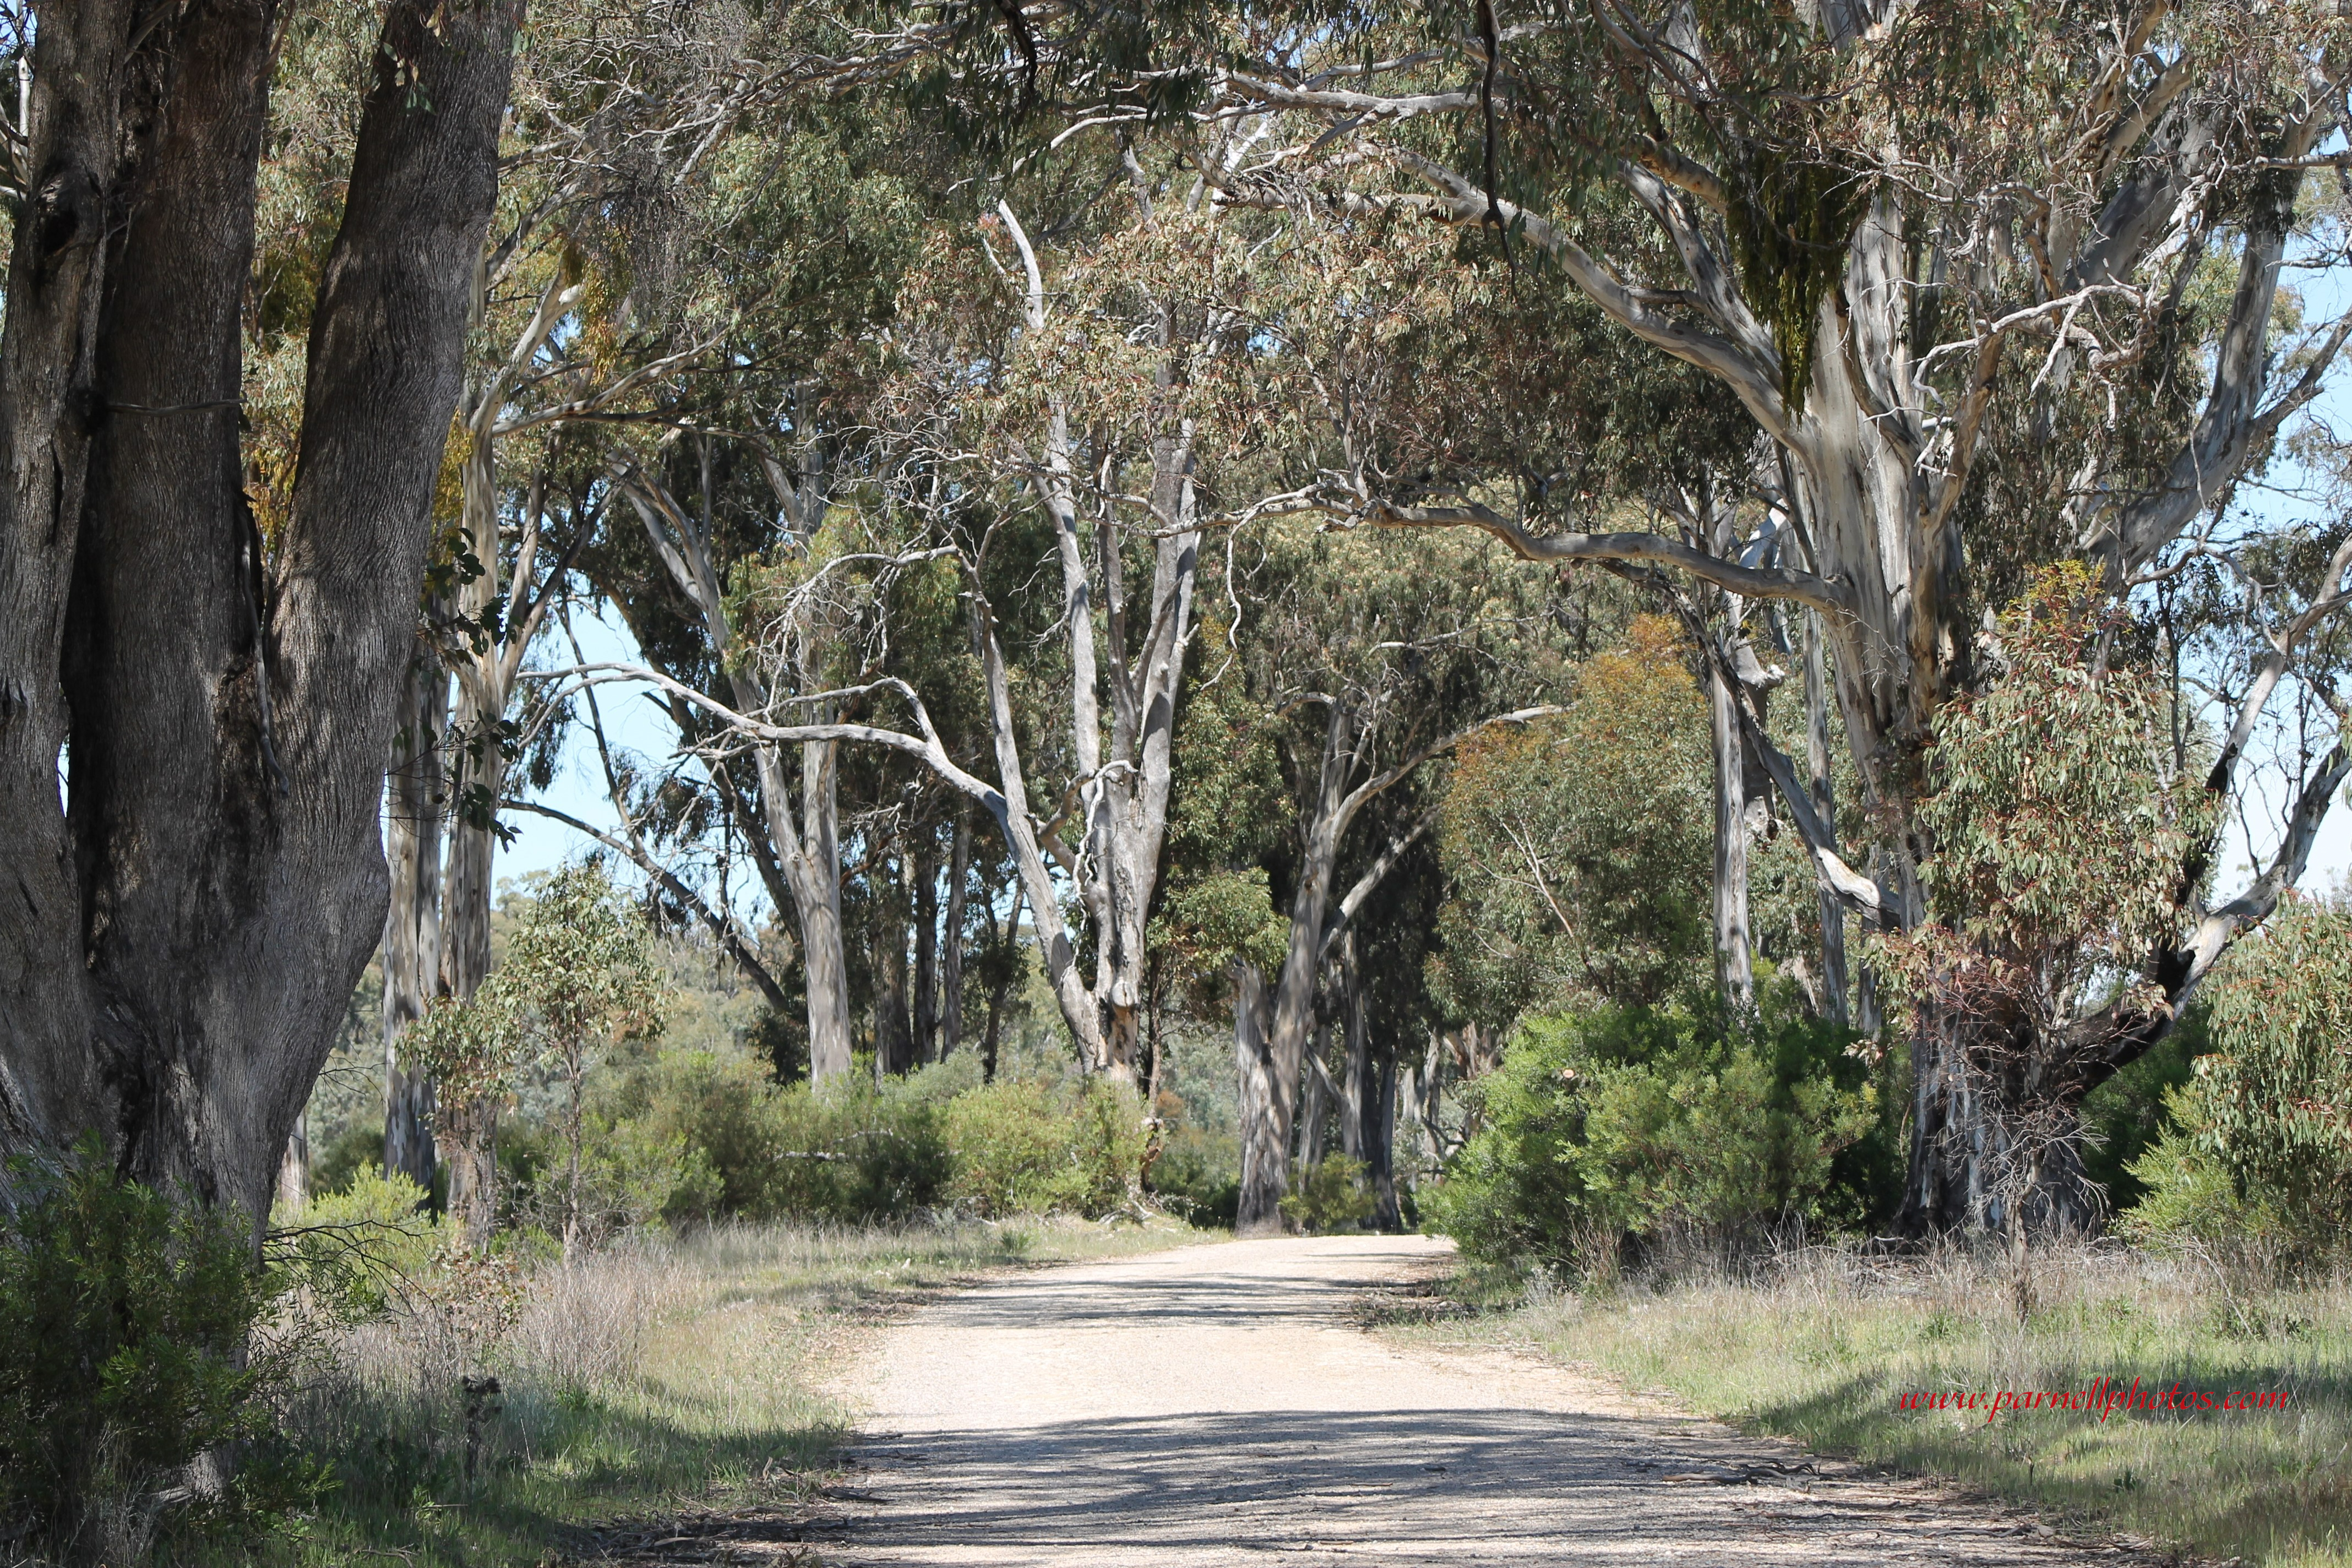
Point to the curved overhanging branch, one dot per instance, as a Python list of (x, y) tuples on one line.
[(1370, 881), (1826, 594), (2219, 927), (924, 746), (1852, 889), (721, 927), (1371, 786)]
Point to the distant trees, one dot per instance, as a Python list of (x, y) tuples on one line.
[(981, 470), (1997, 292)]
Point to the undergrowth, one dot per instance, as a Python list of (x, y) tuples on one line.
[(1820, 1344), (662, 1372)]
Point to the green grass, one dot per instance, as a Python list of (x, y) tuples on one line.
[(664, 1375), (1819, 1348)]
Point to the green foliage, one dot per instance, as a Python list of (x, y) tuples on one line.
[(579, 967), (1025, 1147), (2125, 1117), (471, 1048), (634, 1176), (1580, 846), (1218, 916), (2261, 1145), (1329, 1195), (1197, 1174), (1634, 1121), (355, 1149), (2059, 815), (127, 1311), (857, 1150), (357, 1248), (758, 1150), (2056, 804)]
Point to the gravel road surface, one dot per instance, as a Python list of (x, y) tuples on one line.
[(1214, 1404)]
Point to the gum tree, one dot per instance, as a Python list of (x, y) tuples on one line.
[(1999, 286), (194, 711)]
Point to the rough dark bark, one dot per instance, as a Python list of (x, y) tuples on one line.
[(187, 926)]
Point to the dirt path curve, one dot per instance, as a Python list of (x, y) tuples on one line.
[(1210, 1405)]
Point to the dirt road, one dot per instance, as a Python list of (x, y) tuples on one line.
[(1210, 1405)]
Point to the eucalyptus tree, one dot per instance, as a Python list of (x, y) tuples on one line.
[(1577, 846), (215, 699), (2000, 287), (613, 118), (581, 972), (721, 252), (1019, 413), (1382, 655)]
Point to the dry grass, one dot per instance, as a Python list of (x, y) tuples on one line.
[(661, 1374), (1820, 1344)]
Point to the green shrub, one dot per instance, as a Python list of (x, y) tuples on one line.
[(2187, 1194), (635, 1172), (337, 1163), (722, 1108), (1636, 1122), (2125, 1117), (1023, 1146), (127, 1311), (856, 1150), (1330, 1195), (357, 1250), (1197, 1174), (2261, 1145)]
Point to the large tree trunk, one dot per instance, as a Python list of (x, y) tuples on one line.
[(1294, 997), (412, 926), (827, 973), (470, 1153), (1264, 1120), (926, 870), (187, 929), (1998, 1125), (951, 956), (473, 1168), (1735, 973), (1816, 761)]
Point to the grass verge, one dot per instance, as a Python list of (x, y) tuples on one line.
[(665, 1378), (1822, 1345)]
